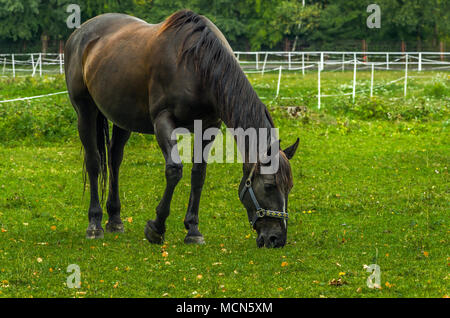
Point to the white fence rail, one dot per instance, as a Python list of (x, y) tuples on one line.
[(266, 61), (25, 64)]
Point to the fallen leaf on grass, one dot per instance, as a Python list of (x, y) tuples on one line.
[(337, 282)]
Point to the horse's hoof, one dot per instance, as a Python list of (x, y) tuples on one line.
[(114, 227), (194, 240), (94, 233), (152, 235)]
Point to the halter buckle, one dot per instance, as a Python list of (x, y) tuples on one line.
[(260, 213)]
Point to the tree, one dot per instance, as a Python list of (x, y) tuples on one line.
[(52, 17), (19, 19)]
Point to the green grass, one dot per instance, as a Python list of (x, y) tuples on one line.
[(368, 189)]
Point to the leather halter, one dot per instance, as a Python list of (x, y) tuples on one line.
[(260, 212)]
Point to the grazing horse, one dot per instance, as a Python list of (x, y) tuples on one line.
[(153, 79)]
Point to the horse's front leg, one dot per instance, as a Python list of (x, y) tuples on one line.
[(198, 174), (164, 126)]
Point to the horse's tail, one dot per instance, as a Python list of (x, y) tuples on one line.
[(103, 145)]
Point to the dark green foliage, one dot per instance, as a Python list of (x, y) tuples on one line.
[(250, 24)]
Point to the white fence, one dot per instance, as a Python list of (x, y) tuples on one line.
[(262, 62), (26, 64), (302, 61)]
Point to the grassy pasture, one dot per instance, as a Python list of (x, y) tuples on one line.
[(371, 187)]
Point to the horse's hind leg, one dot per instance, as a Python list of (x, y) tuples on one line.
[(118, 141), (164, 126), (88, 122)]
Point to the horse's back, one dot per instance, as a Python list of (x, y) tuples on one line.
[(131, 70), (106, 58)]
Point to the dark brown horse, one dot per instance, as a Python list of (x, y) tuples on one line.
[(153, 79)]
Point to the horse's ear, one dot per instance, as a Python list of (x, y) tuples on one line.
[(290, 151)]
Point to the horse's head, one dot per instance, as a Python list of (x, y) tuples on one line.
[(265, 196)]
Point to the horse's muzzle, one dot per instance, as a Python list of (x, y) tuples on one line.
[(270, 240)]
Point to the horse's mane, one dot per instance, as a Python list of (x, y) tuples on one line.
[(215, 64)]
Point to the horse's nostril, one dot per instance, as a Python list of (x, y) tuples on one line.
[(260, 241), (269, 241), (273, 239)]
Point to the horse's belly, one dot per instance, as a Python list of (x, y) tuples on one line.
[(126, 113)]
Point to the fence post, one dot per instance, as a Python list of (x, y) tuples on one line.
[(321, 61), (279, 81), (32, 65), (343, 62), (354, 77), (40, 64), (371, 81), (289, 60), (318, 86), (406, 73), (257, 62), (4, 65), (387, 61), (419, 65), (303, 63), (264, 64), (13, 66), (60, 63)]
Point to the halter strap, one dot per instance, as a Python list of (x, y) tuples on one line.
[(260, 212)]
